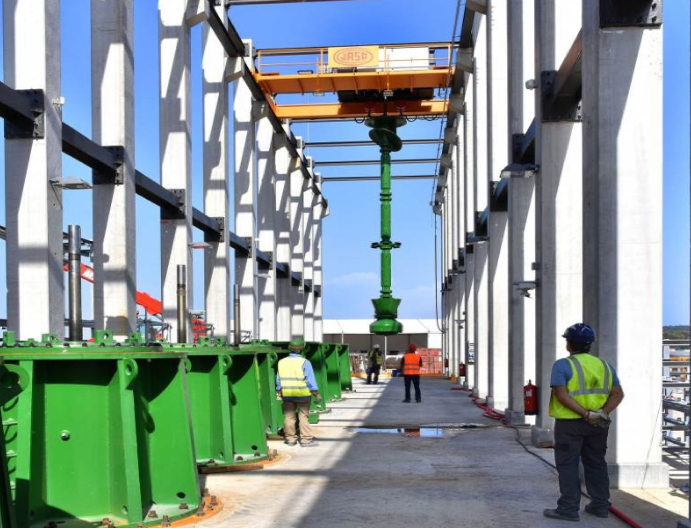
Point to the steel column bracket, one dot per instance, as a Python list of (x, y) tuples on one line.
[(179, 212), (630, 13), (35, 104), (217, 237), (554, 106), (499, 197), (117, 177), (248, 242)]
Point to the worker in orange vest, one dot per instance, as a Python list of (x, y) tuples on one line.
[(410, 366)]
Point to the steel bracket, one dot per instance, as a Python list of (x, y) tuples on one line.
[(552, 108), (630, 13), (179, 212), (36, 100), (118, 176), (221, 237), (248, 242)]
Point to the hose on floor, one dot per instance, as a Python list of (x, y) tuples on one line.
[(497, 416)]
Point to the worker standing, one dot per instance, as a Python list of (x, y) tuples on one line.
[(296, 386), (410, 366), (585, 390), (375, 359)]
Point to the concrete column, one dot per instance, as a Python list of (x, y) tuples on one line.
[(481, 201), (282, 227), (521, 211), (558, 153), (245, 154), (112, 119), (217, 291), (175, 148), (35, 288), (622, 116), (317, 268), (498, 142), (308, 198), (297, 186), (469, 211), (266, 211)]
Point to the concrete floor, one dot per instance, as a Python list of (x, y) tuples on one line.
[(470, 478)]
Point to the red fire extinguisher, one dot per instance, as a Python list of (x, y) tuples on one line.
[(530, 399), (461, 369)]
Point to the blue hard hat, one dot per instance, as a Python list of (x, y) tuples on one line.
[(580, 333)]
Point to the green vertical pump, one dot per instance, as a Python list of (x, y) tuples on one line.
[(383, 133)]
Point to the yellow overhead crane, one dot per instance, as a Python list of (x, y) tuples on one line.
[(402, 77)]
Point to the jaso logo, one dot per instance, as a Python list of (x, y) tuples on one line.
[(353, 56)]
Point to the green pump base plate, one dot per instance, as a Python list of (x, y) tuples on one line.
[(386, 327)]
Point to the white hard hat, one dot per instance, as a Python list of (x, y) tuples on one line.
[(376, 346)]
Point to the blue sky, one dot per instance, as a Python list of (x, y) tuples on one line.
[(351, 268)]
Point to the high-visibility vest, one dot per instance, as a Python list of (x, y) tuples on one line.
[(293, 383), (375, 358), (411, 364), (590, 385)]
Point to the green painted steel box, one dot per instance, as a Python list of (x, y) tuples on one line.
[(101, 435), (333, 371), (13, 380), (272, 409), (346, 369), (227, 418)]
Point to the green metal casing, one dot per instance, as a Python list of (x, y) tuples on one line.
[(272, 409), (102, 431), (13, 380), (344, 363), (227, 417), (333, 372)]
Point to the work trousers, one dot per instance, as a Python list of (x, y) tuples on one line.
[(415, 379), (296, 412), (574, 441), (374, 370)]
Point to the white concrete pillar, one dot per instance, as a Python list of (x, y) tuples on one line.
[(498, 141), (318, 281), (175, 150), (459, 244), (217, 280), (558, 153), (297, 186), (481, 202), (622, 116), (112, 119), (521, 211), (33, 206), (266, 211), (308, 198), (245, 155), (469, 210), (282, 226)]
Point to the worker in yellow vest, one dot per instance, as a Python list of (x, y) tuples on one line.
[(375, 359), (410, 366), (585, 390), (296, 385)]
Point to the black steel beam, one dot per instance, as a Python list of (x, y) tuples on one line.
[(205, 223), (561, 92), (499, 200), (367, 143), (339, 163), (155, 193), (283, 269), (87, 151), (263, 259), (524, 146), (372, 178), (238, 243), (16, 107), (308, 285), (296, 278)]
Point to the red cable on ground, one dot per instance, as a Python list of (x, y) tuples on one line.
[(497, 416)]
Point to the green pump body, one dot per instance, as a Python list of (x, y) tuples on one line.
[(383, 133)]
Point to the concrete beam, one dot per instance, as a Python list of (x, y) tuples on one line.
[(175, 144), (622, 223), (112, 115), (33, 206)]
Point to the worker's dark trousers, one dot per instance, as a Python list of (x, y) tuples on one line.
[(415, 379), (575, 440), (373, 371)]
